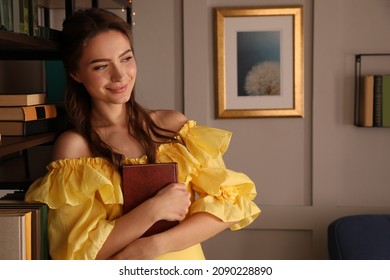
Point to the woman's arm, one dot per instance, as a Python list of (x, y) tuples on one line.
[(171, 203), (196, 229)]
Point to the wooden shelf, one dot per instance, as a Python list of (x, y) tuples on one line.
[(23, 47), (13, 144), (18, 41)]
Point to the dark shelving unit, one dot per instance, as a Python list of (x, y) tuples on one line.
[(358, 75)]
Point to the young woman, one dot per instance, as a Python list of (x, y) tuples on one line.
[(83, 185)]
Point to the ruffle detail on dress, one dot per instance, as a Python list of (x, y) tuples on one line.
[(223, 193), (227, 195), (73, 181), (206, 143)]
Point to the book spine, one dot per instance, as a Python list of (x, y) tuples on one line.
[(23, 17), (6, 16), (386, 101), (32, 113), (366, 110), (15, 16), (38, 126), (33, 29), (377, 122), (17, 99), (27, 128)]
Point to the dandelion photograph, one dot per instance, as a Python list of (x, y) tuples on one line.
[(259, 63)]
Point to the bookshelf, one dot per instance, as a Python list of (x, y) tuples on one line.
[(18, 46), (361, 117), (14, 151)]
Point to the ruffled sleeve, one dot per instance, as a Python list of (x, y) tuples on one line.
[(221, 192), (84, 198)]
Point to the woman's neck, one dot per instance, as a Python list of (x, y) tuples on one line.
[(109, 116)]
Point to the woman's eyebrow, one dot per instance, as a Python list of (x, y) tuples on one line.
[(107, 59), (126, 52)]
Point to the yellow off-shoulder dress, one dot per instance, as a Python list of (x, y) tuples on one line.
[(84, 195)]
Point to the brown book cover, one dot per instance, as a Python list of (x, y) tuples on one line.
[(27, 128), (22, 99), (28, 113), (141, 182), (366, 109)]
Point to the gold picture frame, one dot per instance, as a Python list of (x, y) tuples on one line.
[(259, 62)]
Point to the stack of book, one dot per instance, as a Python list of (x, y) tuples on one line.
[(26, 114), (23, 231), (373, 101)]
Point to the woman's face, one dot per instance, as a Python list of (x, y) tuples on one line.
[(107, 68)]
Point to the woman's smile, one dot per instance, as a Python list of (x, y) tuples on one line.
[(117, 89)]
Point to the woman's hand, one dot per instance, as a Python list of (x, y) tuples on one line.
[(172, 202)]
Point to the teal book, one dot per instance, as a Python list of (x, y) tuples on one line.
[(386, 101)]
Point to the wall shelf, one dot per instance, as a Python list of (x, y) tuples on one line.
[(359, 89)]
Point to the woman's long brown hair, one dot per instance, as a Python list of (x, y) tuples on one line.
[(77, 30)]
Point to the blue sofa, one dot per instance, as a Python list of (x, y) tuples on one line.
[(359, 237)]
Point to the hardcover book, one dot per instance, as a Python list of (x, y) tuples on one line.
[(377, 100), (15, 237), (386, 101), (39, 237), (141, 182), (366, 115), (28, 113), (22, 128), (22, 99)]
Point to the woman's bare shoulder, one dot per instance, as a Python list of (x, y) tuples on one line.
[(70, 144), (169, 119)]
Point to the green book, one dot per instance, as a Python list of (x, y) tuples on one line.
[(386, 101), (23, 17), (6, 16)]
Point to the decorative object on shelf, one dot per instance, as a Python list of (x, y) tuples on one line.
[(372, 96), (260, 62)]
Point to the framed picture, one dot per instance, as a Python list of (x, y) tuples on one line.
[(259, 62)]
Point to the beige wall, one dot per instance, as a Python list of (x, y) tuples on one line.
[(308, 171)]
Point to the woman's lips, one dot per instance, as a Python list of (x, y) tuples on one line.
[(119, 89)]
